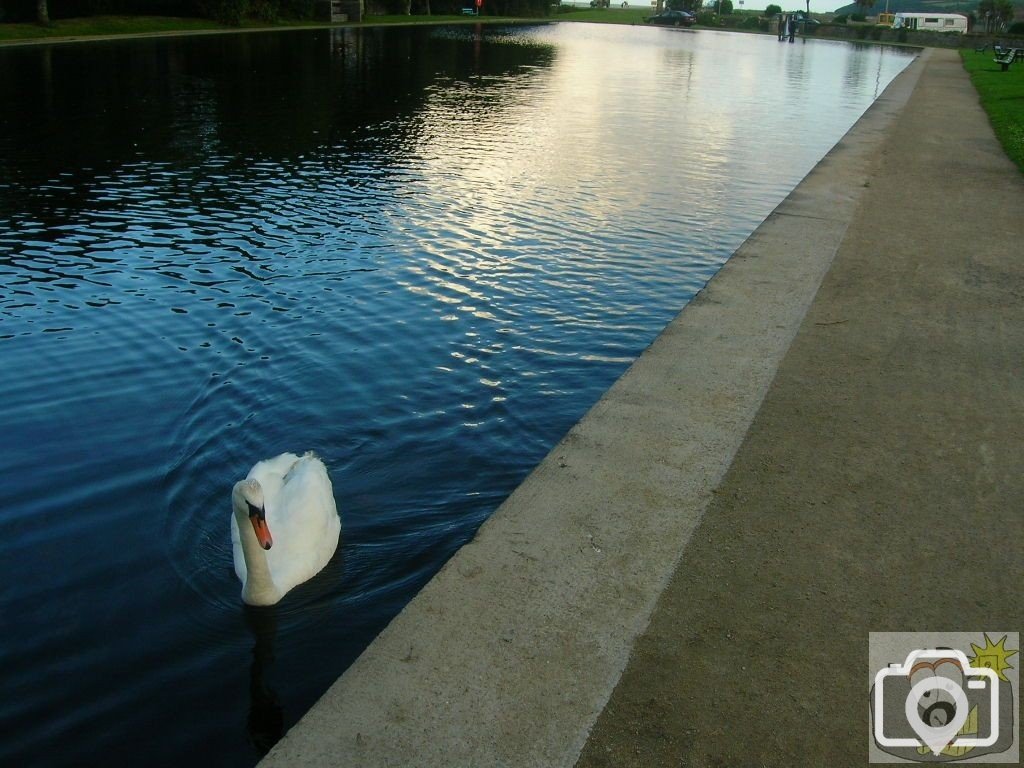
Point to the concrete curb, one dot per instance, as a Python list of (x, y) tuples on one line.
[(510, 653), (890, 429), (63, 40)]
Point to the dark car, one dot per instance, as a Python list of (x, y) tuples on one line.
[(673, 18), (803, 18)]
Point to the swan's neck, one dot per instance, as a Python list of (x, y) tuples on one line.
[(259, 587)]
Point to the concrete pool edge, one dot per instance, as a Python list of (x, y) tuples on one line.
[(511, 651)]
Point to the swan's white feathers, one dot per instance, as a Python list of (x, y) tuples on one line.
[(301, 515)]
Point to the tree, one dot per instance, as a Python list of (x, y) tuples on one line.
[(1004, 11), (996, 13), (725, 7), (43, 13), (772, 10), (865, 6)]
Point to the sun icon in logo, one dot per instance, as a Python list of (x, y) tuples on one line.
[(993, 656)]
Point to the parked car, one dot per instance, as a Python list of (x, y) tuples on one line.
[(800, 16), (673, 18), (803, 18)]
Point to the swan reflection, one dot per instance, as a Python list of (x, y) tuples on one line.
[(265, 723)]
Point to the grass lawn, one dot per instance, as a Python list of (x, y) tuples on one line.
[(1002, 96), (605, 15), (439, 18)]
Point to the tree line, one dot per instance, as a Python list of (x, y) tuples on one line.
[(235, 11)]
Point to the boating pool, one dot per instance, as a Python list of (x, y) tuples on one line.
[(422, 252)]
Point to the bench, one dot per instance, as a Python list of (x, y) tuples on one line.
[(1006, 59), (1001, 51), (982, 49), (469, 11)]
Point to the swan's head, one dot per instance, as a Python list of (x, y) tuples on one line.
[(248, 500)]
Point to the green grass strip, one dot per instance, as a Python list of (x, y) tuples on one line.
[(91, 26), (1002, 96), (440, 18), (604, 15)]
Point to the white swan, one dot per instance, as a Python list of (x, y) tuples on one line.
[(285, 526)]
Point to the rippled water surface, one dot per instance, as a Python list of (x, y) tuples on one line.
[(423, 253)]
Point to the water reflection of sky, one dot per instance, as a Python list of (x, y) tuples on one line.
[(742, 116)]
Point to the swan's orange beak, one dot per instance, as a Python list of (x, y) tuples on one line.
[(259, 525)]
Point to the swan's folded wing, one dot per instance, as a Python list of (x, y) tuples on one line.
[(306, 515)]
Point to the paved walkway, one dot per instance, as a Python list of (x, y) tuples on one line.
[(881, 486), (799, 467)]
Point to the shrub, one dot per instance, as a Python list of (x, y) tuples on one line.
[(840, 19), (772, 10), (264, 10), (858, 17), (1016, 28), (225, 11), (298, 9)]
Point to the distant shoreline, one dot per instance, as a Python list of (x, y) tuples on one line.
[(107, 28)]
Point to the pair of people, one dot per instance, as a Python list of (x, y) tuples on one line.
[(787, 27)]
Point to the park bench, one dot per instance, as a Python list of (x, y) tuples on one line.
[(1007, 58), (982, 49), (1000, 50)]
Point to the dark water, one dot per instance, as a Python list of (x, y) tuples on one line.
[(423, 253)]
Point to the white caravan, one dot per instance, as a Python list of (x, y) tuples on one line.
[(940, 22)]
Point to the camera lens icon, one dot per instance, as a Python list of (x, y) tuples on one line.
[(936, 707), (938, 723)]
